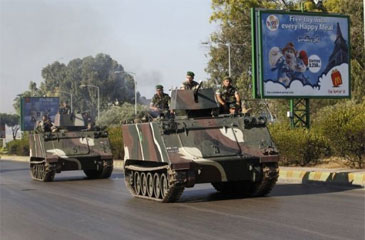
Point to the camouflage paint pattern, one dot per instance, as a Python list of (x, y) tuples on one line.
[(70, 150), (221, 148), (71, 147)]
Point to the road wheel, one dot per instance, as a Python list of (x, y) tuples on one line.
[(164, 185), (131, 178), (150, 185), (157, 185), (41, 173), (137, 183), (144, 184)]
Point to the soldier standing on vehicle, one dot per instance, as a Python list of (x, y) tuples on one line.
[(228, 97), (159, 102), (87, 118), (65, 108), (189, 83), (45, 125)]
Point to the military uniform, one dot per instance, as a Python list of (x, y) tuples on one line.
[(189, 86), (65, 110), (45, 126), (161, 102), (228, 95), (87, 118)]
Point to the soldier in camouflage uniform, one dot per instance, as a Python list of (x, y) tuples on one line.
[(189, 84), (228, 97), (159, 102), (65, 108), (45, 125)]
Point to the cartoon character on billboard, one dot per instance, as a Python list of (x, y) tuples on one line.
[(289, 63)]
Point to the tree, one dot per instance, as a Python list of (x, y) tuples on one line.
[(33, 91), (343, 125), (101, 71), (235, 29), (114, 116), (12, 121)]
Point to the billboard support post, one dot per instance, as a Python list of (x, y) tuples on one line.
[(299, 113)]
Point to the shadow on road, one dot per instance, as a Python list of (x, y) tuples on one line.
[(308, 189), (280, 190), (335, 178), (66, 177)]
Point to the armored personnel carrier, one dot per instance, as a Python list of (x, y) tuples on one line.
[(71, 147), (234, 153)]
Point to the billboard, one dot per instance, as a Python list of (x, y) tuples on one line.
[(303, 55), (33, 108)]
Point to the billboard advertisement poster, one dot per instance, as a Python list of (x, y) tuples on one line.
[(33, 108), (304, 55), (2, 131)]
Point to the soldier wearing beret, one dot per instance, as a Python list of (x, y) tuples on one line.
[(228, 97), (159, 102), (189, 83), (45, 125)]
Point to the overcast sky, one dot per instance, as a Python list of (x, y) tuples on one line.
[(159, 40)]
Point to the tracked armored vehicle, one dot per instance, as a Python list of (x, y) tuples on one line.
[(71, 147), (234, 153)]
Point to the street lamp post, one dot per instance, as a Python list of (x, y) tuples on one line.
[(135, 96), (228, 45), (229, 58), (135, 88), (90, 85), (68, 94)]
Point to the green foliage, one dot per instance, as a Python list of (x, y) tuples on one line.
[(343, 125), (19, 147), (116, 115), (116, 142), (101, 71), (298, 146), (9, 119), (12, 121), (233, 17), (337, 130)]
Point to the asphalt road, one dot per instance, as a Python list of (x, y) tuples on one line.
[(73, 207)]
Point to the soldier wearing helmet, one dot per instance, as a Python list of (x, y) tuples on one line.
[(228, 97), (189, 83)]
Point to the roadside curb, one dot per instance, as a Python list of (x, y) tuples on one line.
[(118, 164), (14, 158), (343, 177)]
